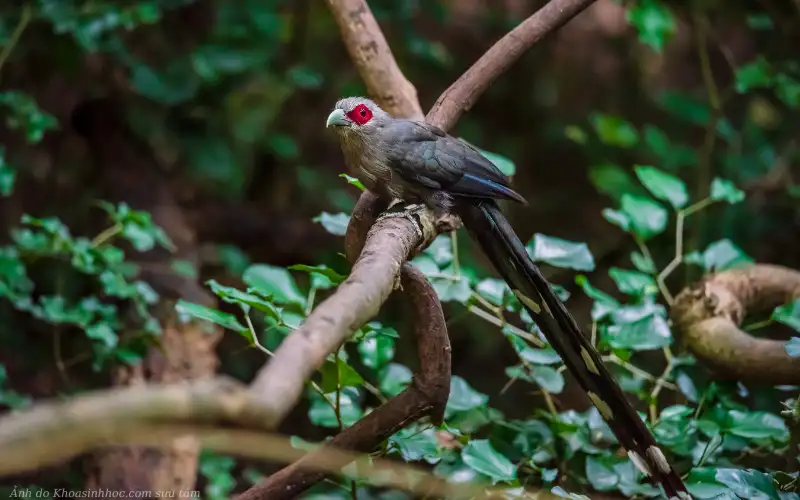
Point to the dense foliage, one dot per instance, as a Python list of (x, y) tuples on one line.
[(673, 182)]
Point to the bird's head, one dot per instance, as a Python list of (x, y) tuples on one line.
[(356, 116)]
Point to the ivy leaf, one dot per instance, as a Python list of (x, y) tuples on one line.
[(617, 218), (452, 289), (757, 425), (748, 483), (223, 319), (7, 175), (614, 130), (722, 189), (394, 378), (647, 217), (654, 22), (353, 181), (376, 351), (336, 224), (347, 375), (756, 74), (633, 282), (415, 445), (663, 186), (545, 377), (275, 282), (788, 314), (493, 290), (322, 277), (234, 296), (793, 347), (547, 356), (561, 253), (650, 332), (482, 457), (463, 397), (603, 305), (322, 412), (600, 474), (719, 256)]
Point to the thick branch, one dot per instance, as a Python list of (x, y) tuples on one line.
[(710, 312), (427, 395), (374, 60), (51, 432), (463, 94)]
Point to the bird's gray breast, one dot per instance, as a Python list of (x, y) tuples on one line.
[(367, 162)]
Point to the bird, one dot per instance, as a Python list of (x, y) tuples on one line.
[(413, 165)]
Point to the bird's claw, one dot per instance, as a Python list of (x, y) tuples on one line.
[(410, 212)]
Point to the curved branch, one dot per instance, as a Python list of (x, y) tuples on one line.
[(710, 312), (463, 94), (427, 395)]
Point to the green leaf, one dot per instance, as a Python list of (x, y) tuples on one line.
[(788, 314), (647, 217), (547, 356), (719, 256), (247, 300), (650, 332), (617, 218), (376, 351), (493, 290), (561, 253), (750, 484), (604, 304), (178, 82), (633, 282), (757, 425), (273, 281), (643, 263), (545, 377), (103, 333), (575, 134), (322, 276), (612, 180), (463, 397), (756, 74), (223, 319), (322, 412), (600, 473), (394, 378), (336, 224), (663, 186), (654, 22), (346, 376), (793, 347), (482, 457), (614, 130), (415, 445), (722, 189), (353, 181), (7, 175)]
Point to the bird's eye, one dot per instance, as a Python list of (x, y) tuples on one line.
[(363, 112)]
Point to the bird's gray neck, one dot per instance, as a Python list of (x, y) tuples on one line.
[(365, 160)]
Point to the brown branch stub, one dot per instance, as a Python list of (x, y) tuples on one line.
[(710, 312), (427, 395), (373, 58), (463, 94)]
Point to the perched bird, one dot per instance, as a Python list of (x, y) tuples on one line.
[(417, 163)]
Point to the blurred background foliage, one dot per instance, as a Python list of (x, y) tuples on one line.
[(633, 117)]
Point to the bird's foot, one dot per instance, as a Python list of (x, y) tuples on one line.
[(410, 212)]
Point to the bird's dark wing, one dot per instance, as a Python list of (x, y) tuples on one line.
[(423, 154)]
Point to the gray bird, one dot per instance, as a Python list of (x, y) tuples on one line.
[(412, 162)]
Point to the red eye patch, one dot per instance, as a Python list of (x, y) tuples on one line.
[(361, 114)]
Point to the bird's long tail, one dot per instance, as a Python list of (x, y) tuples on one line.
[(490, 228)]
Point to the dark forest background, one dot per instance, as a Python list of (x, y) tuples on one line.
[(148, 147)]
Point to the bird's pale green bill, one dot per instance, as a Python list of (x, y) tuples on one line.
[(337, 118)]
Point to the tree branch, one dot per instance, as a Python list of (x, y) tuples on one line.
[(710, 312), (427, 395)]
